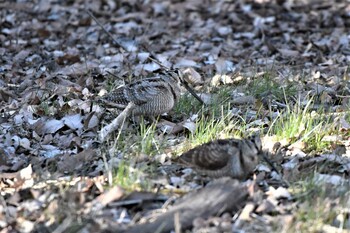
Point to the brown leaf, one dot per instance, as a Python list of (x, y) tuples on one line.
[(73, 121), (6, 95), (111, 195), (43, 126), (288, 53), (247, 210), (244, 100), (192, 76), (266, 207), (22, 178)]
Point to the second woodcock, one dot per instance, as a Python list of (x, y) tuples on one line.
[(228, 157), (151, 96)]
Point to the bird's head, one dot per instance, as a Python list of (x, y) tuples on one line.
[(178, 76), (256, 141)]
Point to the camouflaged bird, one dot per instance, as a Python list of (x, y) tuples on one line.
[(151, 96), (228, 157)]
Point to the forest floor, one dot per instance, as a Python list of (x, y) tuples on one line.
[(276, 67)]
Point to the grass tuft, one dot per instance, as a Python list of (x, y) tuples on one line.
[(298, 123), (130, 178), (148, 144), (267, 86), (319, 205)]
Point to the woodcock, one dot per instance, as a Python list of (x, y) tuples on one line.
[(151, 96), (229, 157)]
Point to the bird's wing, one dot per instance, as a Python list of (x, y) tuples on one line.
[(139, 92), (210, 156)]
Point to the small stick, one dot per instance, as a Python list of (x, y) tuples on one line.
[(108, 129), (104, 29)]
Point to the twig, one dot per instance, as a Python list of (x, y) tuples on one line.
[(153, 57), (105, 131), (177, 222), (113, 74), (104, 29), (64, 225)]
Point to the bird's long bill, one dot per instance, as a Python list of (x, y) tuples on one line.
[(274, 168), (190, 90), (268, 161)]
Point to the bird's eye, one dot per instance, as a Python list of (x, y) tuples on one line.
[(254, 158)]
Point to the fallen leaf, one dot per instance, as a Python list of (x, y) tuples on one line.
[(110, 195), (288, 53), (73, 121)]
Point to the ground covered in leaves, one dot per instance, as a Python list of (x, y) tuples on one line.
[(277, 67)]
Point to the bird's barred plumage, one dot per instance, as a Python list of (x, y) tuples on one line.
[(228, 157), (152, 96)]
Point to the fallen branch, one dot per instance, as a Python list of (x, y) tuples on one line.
[(223, 195)]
